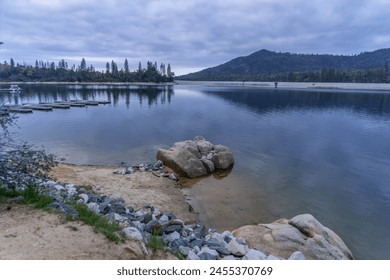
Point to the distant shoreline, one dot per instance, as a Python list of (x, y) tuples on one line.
[(265, 85), (293, 85), (90, 83)]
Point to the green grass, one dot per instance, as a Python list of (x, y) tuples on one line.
[(155, 242), (38, 200), (30, 196), (99, 223)]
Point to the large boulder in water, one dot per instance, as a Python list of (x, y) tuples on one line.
[(302, 233), (196, 158)]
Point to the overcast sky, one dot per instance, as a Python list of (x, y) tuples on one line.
[(189, 34)]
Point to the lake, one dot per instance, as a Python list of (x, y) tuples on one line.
[(323, 152)]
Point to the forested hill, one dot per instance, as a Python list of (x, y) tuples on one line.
[(266, 65)]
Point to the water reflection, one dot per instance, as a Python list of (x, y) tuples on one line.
[(149, 95), (264, 100), (319, 152)]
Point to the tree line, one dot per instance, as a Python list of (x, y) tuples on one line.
[(63, 72), (333, 75)]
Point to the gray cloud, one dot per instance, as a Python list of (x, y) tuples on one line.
[(188, 34)]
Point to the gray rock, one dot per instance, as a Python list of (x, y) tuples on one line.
[(204, 147), (196, 249), (157, 165), (94, 198), (208, 254), (163, 220), (58, 188), (140, 213), (65, 209), (229, 258), (50, 183), (220, 249), (129, 170), (200, 231), (241, 241), (170, 215), (71, 189), (94, 207), (140, 226), (184, 250), (116, 217), (219, 238), (183, 158), (147, 218), (302, 233), (192, 256), (173, 225), (171, 237), (153, 227), (186, 159), (223, 157), (176, 244), (236, 248), (133, 233), (273, 258), (254, 255), (208, 164), (197, 243), (227, 236), (297, 255), (84, 197), (199, 138)]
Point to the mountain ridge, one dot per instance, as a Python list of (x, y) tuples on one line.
[(265, 63)]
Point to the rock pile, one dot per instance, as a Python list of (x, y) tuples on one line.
[(296, 239), (193, 242), (302, 233), (157, 168), (196, 158)]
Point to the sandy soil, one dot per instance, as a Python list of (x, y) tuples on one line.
[(137, 189), (27, 233)]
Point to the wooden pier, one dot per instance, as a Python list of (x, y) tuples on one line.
[(46, 106)]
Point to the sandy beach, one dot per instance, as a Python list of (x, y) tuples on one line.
[(28, 233)]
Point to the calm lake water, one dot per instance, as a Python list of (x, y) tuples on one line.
[(322, 152)]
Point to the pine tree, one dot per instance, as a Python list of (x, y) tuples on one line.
[(170, 74), (162, 69), (83, 65), (107, 68), (126, 66)]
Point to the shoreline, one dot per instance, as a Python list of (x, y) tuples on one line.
[(138, 201), (90, 83), (324, 86), (137, 189), (293, 85)]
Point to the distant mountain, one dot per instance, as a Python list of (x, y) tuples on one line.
[(265, 64)]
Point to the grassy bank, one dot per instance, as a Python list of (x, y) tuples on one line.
[(31, 196)]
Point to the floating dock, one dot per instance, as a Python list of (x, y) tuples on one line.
[(19, 109), (47, 106)]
